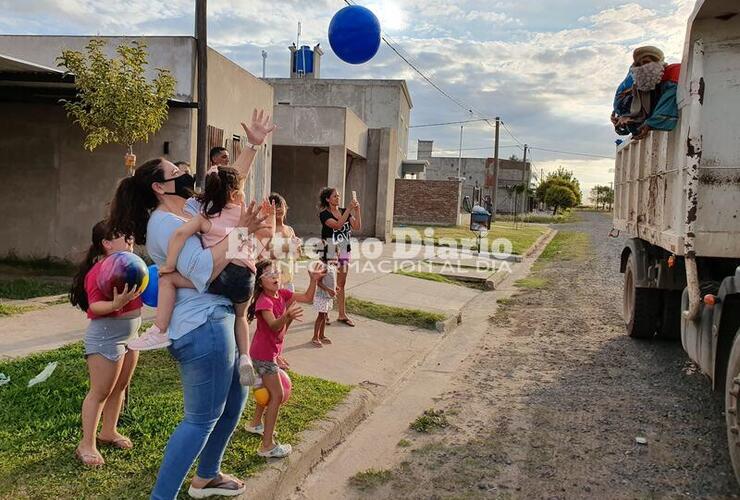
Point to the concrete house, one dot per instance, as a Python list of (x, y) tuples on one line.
[(350, 134), (473, 172), (53, 190)]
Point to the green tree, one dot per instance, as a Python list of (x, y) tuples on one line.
[(560, 177), (115, 102), (560, 197)]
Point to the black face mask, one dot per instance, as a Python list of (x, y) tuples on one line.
[(184, 185)]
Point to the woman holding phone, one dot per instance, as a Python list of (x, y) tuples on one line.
[(337, 225)]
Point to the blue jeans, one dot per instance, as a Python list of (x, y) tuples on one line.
[(214, 400)]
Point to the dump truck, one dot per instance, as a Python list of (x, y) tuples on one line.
[(677, 199)]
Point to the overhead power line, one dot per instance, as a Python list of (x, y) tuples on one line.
[(449, 123), (571, 152)]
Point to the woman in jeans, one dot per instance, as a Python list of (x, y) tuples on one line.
[(151, 205)]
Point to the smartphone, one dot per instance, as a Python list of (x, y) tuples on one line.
[(354, 195)]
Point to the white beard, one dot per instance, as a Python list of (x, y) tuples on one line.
[(648, 76)]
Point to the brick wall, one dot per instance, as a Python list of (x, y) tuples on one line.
[(426, 202)]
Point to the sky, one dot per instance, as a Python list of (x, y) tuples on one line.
[(547, 68)]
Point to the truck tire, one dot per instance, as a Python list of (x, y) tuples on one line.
[(732, 405), (670, 320), (641, 306)]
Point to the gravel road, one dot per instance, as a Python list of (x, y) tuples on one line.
[(551, 404)]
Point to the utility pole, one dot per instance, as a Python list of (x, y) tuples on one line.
[(494, 196), (459, 155), (525, 182), (201, 44), (264, 62)]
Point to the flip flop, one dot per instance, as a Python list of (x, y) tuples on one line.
[(346, 321), (122, 443), (89, 459), (317, 343), (222, 485), (325, 340)]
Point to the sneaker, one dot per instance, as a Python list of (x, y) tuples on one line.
[(278, 451), (246, 371), (258, 429), (151, 339)]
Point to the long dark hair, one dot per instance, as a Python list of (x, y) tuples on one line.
[(324, 196), (262, 266), (279, 201), (77, 294), (217, 193), (134, 200)]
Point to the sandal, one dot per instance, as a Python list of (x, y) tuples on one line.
[(121, 443), (346, 321), (89, 459), (317, 343), (223, 485), (325, 340), (278, 451)]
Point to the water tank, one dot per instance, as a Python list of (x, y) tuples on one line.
[(303, 60)]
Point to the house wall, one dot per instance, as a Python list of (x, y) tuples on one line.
[(233, 93), (426, 202), (54, 191)]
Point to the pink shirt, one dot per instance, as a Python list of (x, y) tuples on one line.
[(95, 294), (267, 343), (221, 226)]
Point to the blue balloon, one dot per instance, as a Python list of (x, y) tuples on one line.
[(354, 34), (149, 295)]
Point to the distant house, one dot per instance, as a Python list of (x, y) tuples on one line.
[(52, 190), (473, 172)]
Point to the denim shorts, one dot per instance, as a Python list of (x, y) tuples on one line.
[(109, 336), (264, 367), (235, 282)]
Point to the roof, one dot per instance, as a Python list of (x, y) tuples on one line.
[(348, 81)]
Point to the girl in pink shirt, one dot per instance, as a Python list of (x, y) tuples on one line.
[(274, 308)]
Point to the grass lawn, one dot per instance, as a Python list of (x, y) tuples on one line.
[(29, 288), (521, 238), (40, 427), (429, 276), (566, 245), (568, 215), (394, 315)]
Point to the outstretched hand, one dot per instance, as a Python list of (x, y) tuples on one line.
[(260, 127)]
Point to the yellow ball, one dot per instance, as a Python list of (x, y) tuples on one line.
[(261, 395)]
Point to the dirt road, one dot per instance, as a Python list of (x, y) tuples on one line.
[(551, 403)]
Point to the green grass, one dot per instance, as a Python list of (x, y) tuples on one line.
[(10, 310), (566, 245), (429, 276), (29, 288), (531, 282), (404, 443), (49, 266), (40, 428), (370, 479), (394, 315), (429, 421), (521, 238)]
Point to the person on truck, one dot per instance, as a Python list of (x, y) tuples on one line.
[(646, 99)]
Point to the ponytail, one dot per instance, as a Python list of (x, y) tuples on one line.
[(134, 200), (77, 294), (217, 193), (261, 267)]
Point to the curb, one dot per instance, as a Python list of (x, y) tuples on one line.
[(449, 324), (495, 280), (283, 476)]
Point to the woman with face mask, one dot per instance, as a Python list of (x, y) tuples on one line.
[(151, 205)]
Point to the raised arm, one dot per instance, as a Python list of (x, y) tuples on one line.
[(356, 221), (337, 224), (307, 296), (292, 312), (257, 131)]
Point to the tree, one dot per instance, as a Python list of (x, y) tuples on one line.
[(602, 195), (560, 196), (514, 157), (115, 103)]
